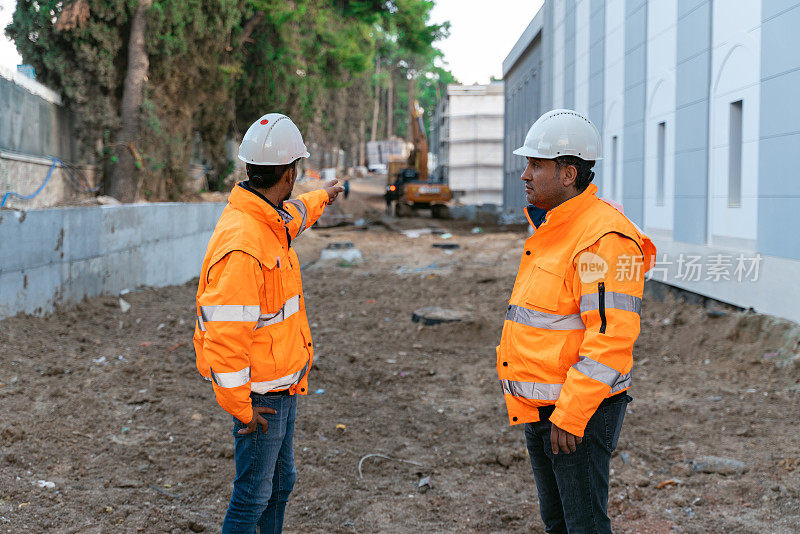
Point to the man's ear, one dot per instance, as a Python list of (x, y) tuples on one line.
[(288, 175), (569, 175)]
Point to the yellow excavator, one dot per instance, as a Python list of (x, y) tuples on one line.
[(407, 185)]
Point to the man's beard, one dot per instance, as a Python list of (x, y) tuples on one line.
[(289, 194), (291, 189)]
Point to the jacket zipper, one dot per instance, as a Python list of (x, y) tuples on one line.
[(601, 291)]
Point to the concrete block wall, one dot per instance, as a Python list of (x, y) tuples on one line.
[(59, 256), (468, 142), (484, 127), (25, 174)]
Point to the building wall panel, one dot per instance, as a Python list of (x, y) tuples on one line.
[(523, 105), (597, 73), (661, 57), (779, 131), (735, 76), (691, 121)]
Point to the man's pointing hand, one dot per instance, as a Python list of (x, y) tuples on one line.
[(333, 190)]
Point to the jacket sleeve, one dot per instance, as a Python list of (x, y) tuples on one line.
[(229, 308), (610, 305), (305, 210)]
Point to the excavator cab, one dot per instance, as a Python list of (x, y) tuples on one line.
[(407, 185), (407, 175), (409, 193)]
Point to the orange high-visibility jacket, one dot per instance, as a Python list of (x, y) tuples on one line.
[(573, 316), (252, 333)]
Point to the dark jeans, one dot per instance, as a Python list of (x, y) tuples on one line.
[(265, 472), (573, 488)]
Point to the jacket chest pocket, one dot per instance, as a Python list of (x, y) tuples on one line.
[(275, 285), (544, 287), (289, 276)]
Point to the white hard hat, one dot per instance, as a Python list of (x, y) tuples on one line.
[(272, 140), (562, 132)]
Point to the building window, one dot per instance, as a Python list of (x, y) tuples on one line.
[(612, 190), (660, 162), (735, 156)]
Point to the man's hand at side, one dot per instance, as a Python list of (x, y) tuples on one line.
[(333, 190), (563, 441), (258, 420)]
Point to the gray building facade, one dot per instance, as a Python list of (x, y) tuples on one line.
[(696, 102)]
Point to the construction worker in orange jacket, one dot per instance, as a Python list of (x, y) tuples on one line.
[(252, 337), (566, 351)]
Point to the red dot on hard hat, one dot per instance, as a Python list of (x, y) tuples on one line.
[(265, 121)]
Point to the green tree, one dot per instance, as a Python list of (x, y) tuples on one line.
[(407, 53), (154, 82), (183, 69), (431, 88)]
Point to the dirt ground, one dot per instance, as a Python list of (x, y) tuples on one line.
[(107, 407)]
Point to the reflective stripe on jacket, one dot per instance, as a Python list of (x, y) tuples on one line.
[(252, 333), (573, 316)]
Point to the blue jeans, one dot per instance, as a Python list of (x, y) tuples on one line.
[(573, 488), (265, 473)]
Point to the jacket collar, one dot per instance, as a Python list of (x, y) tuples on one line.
[(565, 211), (535, 215), (245, 198)]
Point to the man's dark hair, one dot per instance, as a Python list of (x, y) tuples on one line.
[(266, 176), (584, 168)]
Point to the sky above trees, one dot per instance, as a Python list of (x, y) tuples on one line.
[(9, 57), (481, 34)]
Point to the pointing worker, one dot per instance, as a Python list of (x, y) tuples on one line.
[(252, 337), (565, 355)]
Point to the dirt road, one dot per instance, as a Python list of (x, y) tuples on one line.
[(107, 407)]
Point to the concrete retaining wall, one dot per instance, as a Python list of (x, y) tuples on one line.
[(62, 255)]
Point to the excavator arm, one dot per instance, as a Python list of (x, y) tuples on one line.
[(419, 155)]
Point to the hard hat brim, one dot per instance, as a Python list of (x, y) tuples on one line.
[(531, 153), (304, 155)]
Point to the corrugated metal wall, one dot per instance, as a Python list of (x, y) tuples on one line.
[(523, 105)]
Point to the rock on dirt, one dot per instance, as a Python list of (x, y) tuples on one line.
[(431, 315), (720, 466), (344, 251)]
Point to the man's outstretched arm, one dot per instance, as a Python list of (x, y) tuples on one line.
[(308, 207)]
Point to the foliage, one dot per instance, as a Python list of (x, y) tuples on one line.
[(431, 88), (406, 48), (216, 65), (81, 62)]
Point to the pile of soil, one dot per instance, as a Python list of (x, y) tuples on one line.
[(106, 426)]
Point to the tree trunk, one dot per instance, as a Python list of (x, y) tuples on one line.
[(122, 182), (362, 143), (390, 107), (249, 28), (377, 104), (411, 110)]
